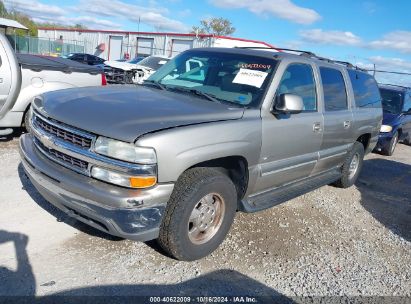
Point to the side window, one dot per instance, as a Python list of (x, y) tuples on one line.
[(298, 79), (366, 92), (335, 94), (407, 102)]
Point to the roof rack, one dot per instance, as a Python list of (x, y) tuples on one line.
[(306, 54)]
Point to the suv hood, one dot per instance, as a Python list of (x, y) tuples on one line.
[(390, 118), (126, 113)]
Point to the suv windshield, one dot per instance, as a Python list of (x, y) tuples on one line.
[(391, 100), (153, 62), (236, 78)]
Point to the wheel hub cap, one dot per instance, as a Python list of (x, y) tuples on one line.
[(206, 218), (354, 165)]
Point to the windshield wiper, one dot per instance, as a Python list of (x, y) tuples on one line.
[(199, 93), (156, 83)]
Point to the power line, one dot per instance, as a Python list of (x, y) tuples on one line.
[(389, 72)]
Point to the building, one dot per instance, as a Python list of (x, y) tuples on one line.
[(113, 45)]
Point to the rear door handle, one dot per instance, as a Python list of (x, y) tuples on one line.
[(347, 124), (317, 127)]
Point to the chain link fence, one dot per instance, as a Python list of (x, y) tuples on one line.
[(44, 46)]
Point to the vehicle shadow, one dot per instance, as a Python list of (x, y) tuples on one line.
[(220, 283), (223, 282), (385, 187), (57, 213), (21, 281)]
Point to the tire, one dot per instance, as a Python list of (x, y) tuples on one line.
[(195, 191), (26, 120), (407, 141), (391, 147), (349, 174)]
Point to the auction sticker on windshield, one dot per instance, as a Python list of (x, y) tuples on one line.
[(250, 77)]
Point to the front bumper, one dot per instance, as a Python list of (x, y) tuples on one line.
[(384, 140), (127, 213)]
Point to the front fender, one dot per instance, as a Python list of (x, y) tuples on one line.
[(183, 147)]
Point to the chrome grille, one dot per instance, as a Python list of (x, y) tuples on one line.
[(66, 135), (62, 158)]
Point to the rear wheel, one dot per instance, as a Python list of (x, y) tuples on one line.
[(352, 166), (199, 214), (391, 147)]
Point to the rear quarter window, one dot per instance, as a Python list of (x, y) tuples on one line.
[(366, 92)]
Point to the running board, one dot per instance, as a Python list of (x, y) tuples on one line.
[(285, 193)]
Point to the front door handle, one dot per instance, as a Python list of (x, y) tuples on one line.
[(1, 80), (317, 127), (347, 124)]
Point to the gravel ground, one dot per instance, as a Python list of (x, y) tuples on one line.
[(328, 242)]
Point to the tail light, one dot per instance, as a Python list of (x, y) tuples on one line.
[(103, 79)]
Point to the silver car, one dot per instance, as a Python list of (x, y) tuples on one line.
[(212, 132)]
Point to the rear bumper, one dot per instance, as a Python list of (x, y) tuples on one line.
[(12, 120), (127, 213)]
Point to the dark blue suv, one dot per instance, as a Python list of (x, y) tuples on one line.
[(396, 124)]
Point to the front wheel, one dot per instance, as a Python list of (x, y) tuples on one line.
[(393, 144), (352, 166), (199, 214), (26, 120)]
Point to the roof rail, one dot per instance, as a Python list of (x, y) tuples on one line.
[(307, 54), (276, 48)]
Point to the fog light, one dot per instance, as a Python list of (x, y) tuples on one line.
[(122, 179)]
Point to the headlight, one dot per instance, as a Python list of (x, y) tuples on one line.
[(385, 129), (125, 151), (122, 179)]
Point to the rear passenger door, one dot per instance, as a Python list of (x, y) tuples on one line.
[(338, 119)]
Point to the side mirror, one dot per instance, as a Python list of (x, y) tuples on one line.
[(288, 103)]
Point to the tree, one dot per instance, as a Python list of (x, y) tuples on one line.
[(26, 21), (21, 18), (77, 26), (3, 10), (214, 26)]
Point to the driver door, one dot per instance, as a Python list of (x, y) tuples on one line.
[(290, 143)]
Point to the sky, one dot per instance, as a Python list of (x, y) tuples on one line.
[(362, 32)]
